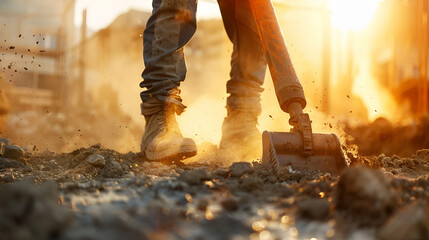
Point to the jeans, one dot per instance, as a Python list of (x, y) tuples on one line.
[(171, 26)]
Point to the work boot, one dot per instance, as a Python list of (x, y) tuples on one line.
[(240, 135), (162, 139)]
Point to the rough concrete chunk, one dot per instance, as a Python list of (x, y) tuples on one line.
[(13, 152), (31, 211), (97, 160), (365, 193), (238, 169), (410, 223)]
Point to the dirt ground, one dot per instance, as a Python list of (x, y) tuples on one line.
[(97, 193)]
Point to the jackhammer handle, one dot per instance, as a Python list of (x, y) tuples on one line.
[(294, 110), (286, 83)]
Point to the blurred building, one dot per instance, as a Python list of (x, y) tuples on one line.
[(401, 52), (113, 63), (332, 62), (35, 58), (400, 48)]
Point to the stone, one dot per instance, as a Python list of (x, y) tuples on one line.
[(79, 177), (221, 173), (251, 183), (202, 205), (97, 160), (229, 204), (412, 222), (423, 154), (112, 169), (31, 211), (13, 152), (53, 162), (27, 169), (195, 177), (7, 178), (366, 194), (238, 169), (313, 209), (129, 175), (45, 168), (226, 227), (10, 163), (5, 141)]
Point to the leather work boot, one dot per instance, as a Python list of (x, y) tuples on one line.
[(162, 139), (240, 136)]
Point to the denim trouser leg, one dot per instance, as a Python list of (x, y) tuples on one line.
[(248, 64), (171, 26)]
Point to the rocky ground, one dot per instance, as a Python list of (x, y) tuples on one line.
[(97, 193)]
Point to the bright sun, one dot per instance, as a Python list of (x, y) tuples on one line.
[(352, 14)]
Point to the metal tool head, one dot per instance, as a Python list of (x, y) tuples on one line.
[(282, 149)]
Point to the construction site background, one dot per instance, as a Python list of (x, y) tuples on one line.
[(68, 88)]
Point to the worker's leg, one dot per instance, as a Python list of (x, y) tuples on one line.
[(248, 64), (171, 26), (248, 67)]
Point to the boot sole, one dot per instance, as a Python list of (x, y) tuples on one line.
[(168, 158)]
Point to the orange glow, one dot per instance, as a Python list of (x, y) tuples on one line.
[(203, 123), (352, 14), (378, 101), (367, 89), (209, 216)]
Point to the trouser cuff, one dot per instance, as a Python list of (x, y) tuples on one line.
[(159, 103), (244, 104)]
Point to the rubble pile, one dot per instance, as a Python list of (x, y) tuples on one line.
[(382, 137), (100, 191), (31, 211)]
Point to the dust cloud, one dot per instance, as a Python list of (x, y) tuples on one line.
[(110, 112)]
